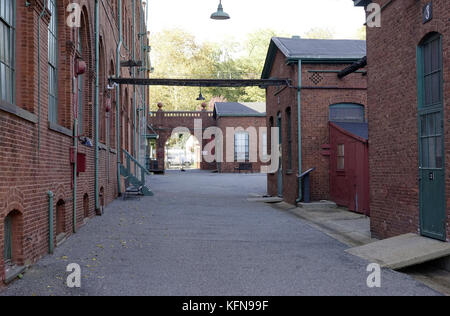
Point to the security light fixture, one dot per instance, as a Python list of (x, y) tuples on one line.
[(220, 14)]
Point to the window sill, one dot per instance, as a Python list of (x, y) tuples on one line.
[(289, 172), (17, 111), (60, 129)]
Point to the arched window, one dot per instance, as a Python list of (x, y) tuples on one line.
[(13, 231), (112, 94), (430, 90), (102, 88), (7, 40), (80, 84), (347, 112), (53, 63), (430, 71)]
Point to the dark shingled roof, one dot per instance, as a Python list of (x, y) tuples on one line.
[(314, 49), (358, 129), (239, 109)]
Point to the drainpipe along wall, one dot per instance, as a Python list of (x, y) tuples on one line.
[(299, 128), (134, 87), (96, 105), (119, 46)]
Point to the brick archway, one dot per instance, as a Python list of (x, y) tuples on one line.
[(163, 123)]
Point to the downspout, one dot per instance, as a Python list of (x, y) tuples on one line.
[(50, 223), (134, 86), (41, 15), (299, 129), (119, 46), (75, 146), (96, 105)]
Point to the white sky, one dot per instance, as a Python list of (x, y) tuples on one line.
[(294, 17)]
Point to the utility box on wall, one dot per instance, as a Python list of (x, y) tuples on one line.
[(81, 160)]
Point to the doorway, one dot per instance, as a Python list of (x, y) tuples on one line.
[(280, 166), (431, 139)]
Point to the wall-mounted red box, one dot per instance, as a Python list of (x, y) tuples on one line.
[(81, 160)]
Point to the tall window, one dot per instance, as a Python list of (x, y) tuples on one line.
[(80, 86), (431, 103), (53, 63), (7, 29), (241, 146), (289, 137)]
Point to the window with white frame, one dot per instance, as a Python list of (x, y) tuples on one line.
[(7, 29), (241, 146)]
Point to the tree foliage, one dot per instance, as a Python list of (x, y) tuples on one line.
[(176, 54)]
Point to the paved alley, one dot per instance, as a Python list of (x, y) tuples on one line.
[(200, 236)]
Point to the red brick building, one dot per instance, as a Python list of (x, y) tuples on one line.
[(246, 122), (314, 92), (408, 58), (50, 109), (243, 148)]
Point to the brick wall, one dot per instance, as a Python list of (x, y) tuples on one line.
[(34, 154), (316, 97), (393, 126)]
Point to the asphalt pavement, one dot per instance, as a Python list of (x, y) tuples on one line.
[(200, 236)]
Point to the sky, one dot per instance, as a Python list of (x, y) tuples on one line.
[(295, 17)]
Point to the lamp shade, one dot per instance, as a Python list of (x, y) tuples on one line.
[(220, 14)]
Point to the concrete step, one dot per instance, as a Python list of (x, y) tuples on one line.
[(318, 205), (402, 251)]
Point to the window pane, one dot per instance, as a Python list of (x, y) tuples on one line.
[(431, 152), (425, 153), (435, 60), (439, 157), (428, 96), (436, 87)]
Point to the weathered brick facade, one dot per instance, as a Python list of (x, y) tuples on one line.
[(320, 88), (393, 112), (34, 153)]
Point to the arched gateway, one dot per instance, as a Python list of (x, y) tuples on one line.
[(161, 125)]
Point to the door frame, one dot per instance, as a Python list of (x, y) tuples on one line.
[(424, 110)]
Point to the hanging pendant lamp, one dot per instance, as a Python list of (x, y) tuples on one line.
[(220, 14)]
